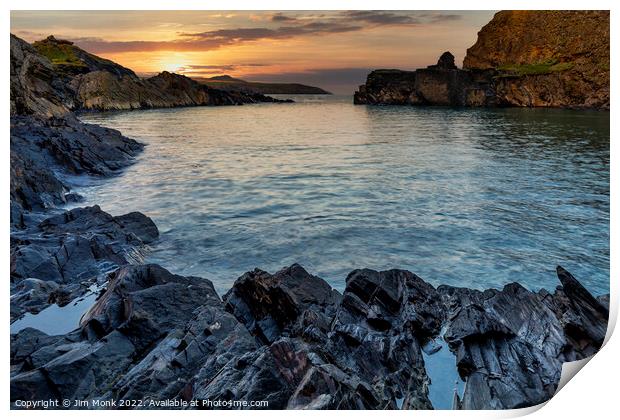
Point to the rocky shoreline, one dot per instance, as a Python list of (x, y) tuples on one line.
[(286, 338), (291, 340)]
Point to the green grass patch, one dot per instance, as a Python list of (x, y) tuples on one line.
[(544, 67), (58, 54)]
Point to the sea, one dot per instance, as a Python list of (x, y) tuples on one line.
[(469, 197)]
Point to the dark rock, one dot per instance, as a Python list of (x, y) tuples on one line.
[(440, 84), (133, 301), (288, 302), (153, 335), (511, 344), (43, 152), (200, 348), (445, 62), (142, 306), (31, 295), (70, 248)]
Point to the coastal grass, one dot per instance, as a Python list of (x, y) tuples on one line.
[(59, 54), (544, 67)]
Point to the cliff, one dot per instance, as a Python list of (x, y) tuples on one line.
[(34, 87), (82, 81), (546, 58), (521, 58)]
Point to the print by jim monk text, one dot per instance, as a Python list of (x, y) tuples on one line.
[(128, 403)]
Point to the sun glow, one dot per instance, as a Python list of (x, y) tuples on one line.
[(172, 67), (173, 62)]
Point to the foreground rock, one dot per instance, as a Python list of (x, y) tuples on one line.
[(538, 68), (511, 344), (290, 340), (56, 260)]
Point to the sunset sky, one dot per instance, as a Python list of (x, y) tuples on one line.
[(332, 49)]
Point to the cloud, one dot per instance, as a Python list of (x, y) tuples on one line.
[(382, 18), (230, 36), (286, 27), (441, 17)]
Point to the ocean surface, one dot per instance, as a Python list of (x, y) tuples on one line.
[(468, 197)]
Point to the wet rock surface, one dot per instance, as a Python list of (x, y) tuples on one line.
[(510, 344), (45, 152), (289, 339), (57, 259)]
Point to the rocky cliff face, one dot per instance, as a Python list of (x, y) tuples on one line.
[(80, 81), (521, 58), (33, 83), (546, 58)]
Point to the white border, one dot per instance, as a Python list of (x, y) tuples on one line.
[(592, 395)]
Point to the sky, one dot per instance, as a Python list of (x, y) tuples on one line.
[(334, 50)]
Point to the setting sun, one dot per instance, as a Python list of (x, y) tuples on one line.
[(173, 62)]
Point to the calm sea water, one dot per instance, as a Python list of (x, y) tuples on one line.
[(467, 197)]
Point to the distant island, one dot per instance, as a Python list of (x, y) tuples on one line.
[(228, 83)]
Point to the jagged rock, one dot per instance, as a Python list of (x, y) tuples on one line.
[(133, 301), (511, 344), (31, 295), (43, 151), (200, 348), (69, 248), (153, 335), (141, 306), (288, 302)]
